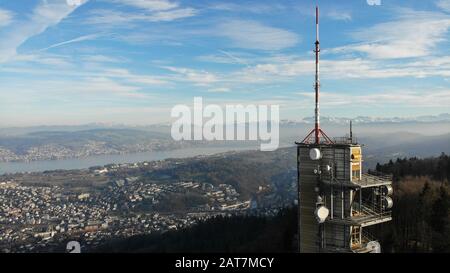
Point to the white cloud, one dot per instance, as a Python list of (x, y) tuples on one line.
[(229, 57), (171, 15), (282, 67), (6, 17), (46, 14), (286, 69), (198, 77), (430, 98), (65, 90), (151, 5), (233, 57), (105, 16), (413, 34), (254, 35), (149, 10), (101, 59), (95, 66), (328, 12), (98, 87), (104, 85), (119, 18), (249, 7), (444, 5), (339, 15), (216, 58), (133, 78), (45, 59), (219, 90)]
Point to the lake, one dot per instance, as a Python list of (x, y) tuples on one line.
[(100, 160)]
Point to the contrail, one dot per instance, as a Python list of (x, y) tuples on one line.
[(79, 39), (236, 59)]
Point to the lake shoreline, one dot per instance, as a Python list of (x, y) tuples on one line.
[(101, 160)]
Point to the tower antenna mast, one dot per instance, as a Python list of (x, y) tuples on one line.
[(315, 135), (317, 83)]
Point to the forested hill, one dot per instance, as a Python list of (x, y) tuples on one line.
[(421, 212), (437, 168), (236, 234)]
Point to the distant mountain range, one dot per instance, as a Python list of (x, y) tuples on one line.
[(165, 127), (384, 138), (444, 117)]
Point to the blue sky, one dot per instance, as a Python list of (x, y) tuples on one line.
[(131, 61)]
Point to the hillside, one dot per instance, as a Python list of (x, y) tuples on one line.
[(421, 212), (420, 223), (238, 234), (246, 171), (51, 145)]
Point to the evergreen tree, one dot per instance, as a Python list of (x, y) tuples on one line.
[(439, 221), (440, 210)]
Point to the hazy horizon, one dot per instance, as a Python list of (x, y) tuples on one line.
[(132, 61), (306, 120)]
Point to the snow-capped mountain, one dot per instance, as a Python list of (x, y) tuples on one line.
[(444, 117)]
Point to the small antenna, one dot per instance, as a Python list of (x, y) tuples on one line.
[(351, 131)]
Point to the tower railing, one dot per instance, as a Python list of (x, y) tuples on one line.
[(370, 210), (380, 174), (373, 180), (345, 140)]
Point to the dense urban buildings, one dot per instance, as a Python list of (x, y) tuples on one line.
[(42, 211)]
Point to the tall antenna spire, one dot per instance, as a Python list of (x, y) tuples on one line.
[(314, 135), (317, 81)]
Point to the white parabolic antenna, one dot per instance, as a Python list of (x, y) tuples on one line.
[(314, 154), (387, 202), (388, 190), (322, 214), (374, 246)]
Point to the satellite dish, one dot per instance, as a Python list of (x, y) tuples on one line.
[(321, 214), (387, 202), (315, 154), (374, 247), (388, 190)]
